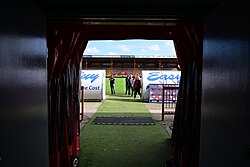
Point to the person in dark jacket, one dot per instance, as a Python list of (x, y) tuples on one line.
[(128, 85), (132, 79), (137, 86), (112, 84)]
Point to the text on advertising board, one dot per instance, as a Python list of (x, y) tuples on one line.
[(91, 87), (153, 76), (93, 77)]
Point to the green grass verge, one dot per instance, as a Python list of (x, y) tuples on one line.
[(123, 145)]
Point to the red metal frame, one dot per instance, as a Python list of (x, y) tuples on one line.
[(82, 100), (65, 52)]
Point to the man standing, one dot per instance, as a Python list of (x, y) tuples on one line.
[(112, 84), (128, 85), (132, 84), (137, 86)]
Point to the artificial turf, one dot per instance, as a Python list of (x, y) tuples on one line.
[(123, 145)]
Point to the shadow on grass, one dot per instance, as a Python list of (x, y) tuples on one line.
[(125, 99), (120, 95)]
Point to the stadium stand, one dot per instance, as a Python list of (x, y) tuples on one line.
[(130, 65)]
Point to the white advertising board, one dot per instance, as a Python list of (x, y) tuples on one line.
[(158, 77), (94, 82)]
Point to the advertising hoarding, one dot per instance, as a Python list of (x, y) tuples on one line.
[(94, 82), (158, 77)]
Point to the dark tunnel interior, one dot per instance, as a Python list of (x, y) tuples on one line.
[(42, 43)]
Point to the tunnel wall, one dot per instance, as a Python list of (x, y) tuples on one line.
[(225, 137), (23, 85)]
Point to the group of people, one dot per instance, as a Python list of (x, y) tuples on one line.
[(133, 85)]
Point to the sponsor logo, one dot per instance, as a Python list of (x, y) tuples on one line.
[(92, 88), (154, 76), (92, 77)]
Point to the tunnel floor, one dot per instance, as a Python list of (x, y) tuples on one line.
[(123, 145)]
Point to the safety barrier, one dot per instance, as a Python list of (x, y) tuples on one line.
[(169, 100), (155, 93)]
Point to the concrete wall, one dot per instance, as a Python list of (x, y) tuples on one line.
[(225, 115), (23, 85)]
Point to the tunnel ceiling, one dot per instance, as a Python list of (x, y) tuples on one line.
[(125, 19), (118, 30), (169, 9), (119, 20)]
